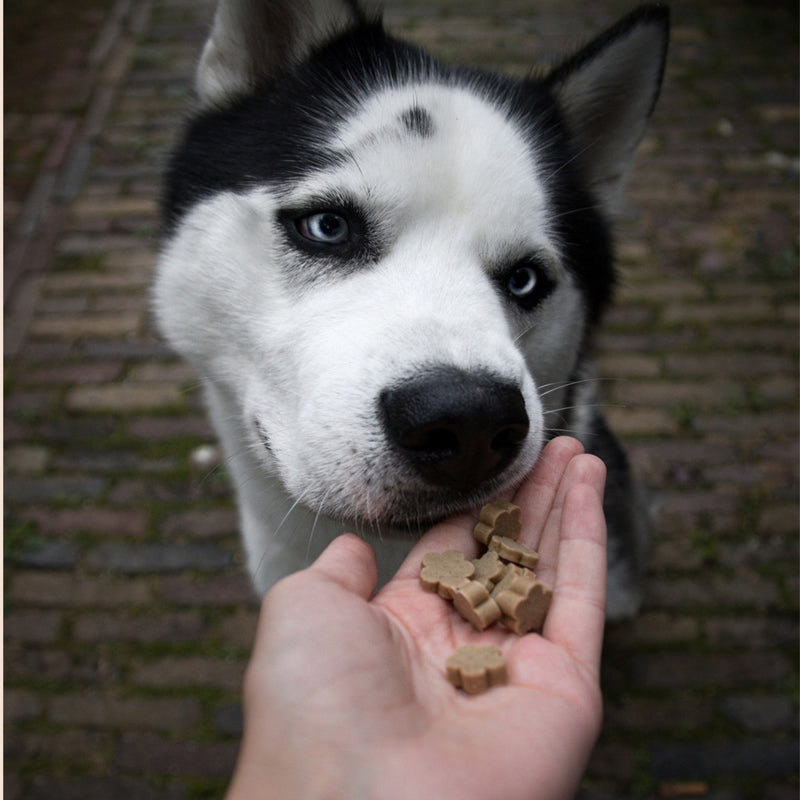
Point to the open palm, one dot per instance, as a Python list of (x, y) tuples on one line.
[(346, 694)]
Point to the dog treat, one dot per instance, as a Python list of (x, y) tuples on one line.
[(489, 568), (475, 669), (523, 601), (444, 572), (499, 518), (500, 586), (510, 550), (476, 605)]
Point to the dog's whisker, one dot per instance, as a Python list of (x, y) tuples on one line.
[(320, 506)]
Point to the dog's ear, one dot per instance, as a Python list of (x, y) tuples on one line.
[(252, 40), (606, 93)]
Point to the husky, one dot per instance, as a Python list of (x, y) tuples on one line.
[(387, 270)]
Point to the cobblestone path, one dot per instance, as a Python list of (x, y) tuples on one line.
[(128, 615)]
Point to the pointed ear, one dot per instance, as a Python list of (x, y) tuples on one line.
[(256, 39), (606, 93)]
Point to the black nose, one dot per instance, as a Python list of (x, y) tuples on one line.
[(457, 428)]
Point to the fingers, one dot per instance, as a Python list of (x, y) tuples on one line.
[(350, 562), (581, 469), (577, 616), (537, 494)]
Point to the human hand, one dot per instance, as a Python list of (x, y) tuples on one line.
[(346, 695)]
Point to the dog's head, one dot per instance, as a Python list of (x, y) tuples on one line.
[(389, 265)]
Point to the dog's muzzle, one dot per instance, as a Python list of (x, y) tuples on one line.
[(456, 428)]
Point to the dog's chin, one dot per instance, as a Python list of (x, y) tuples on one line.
[(412, 513)]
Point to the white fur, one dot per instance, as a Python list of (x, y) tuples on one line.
[(303, 365)]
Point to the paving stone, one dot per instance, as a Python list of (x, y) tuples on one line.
[(736, 758), (180, 672), (761, 712), (155, 755), (124, 397), (166, 626), (699, 366), (47, 554), (94, 710), (155, 558), (90, 788)]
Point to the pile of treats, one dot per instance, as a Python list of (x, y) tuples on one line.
[(500, 586)]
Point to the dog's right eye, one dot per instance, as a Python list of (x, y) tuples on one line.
[(325, 227)]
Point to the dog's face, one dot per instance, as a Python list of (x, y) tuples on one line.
[(391, 273)]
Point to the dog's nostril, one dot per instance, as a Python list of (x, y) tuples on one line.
[(434, 441), (509, 437), (456, 428)]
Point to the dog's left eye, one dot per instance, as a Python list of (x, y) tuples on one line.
[(325, 227), (527, 282)]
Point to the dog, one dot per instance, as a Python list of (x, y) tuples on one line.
[(387, 270)]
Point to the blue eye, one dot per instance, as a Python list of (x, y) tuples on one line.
[(526, 282), (522, 282), (325, 227)]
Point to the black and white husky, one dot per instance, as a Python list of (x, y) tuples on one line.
[(386, 271)]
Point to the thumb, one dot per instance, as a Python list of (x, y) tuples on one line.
[(350, 562)]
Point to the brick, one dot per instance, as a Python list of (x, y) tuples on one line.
[(155, 755), (722, 592), (71, 282), (211, 523), (176, 372), (179, 672), (125, 397), (47, 554), (736, 758), (649, 715), (19, 704), (669, 393), (99, 710), (71, 590), (166, 626), (161, 428), (52, 490), (210, 591), (74, 373), (94, 519), (90, 788), (751, 632), (133, 559), (91, 749), (619, 365), (26, 459), (655, 628), (707, 314), (72, 326), (238, 629), (117, 206), (761, 712), (690, 670), (743, 365), (641, 421)]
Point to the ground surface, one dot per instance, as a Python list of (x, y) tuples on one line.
[(128, 616)]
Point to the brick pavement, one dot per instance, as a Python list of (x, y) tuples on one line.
[(128, 615)]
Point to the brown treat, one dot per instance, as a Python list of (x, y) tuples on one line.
[(509, 550), (475, 669), (524, 603), (444, 572), (488, 569), (476, 605), (499, 518)]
